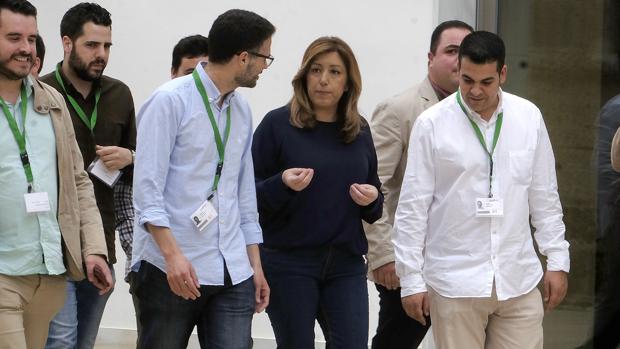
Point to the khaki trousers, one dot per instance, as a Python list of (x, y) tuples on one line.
[(27, 305), (477, 323)]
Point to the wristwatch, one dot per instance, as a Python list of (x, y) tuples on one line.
[(133, 156)]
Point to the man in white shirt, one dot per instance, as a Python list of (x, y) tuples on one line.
[(479, 165)]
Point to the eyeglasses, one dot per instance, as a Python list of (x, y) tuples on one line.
[(268, 59)]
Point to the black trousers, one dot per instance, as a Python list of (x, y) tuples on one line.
[(396, 330)]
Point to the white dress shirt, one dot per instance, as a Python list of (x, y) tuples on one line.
[(438, 239)]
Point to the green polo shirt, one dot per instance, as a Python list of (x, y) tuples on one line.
[(30, 243)]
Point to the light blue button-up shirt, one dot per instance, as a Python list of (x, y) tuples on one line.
[(30, 243), (176, 159)]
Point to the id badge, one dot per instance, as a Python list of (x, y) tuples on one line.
[(489, 207), (37, 202), (109, 177), (204, 215)]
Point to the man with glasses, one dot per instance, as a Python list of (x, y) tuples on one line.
[(196, 233)]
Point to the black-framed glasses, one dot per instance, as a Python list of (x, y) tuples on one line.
[(268, 59)]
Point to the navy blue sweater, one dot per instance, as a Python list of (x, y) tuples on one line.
[(323, 214)]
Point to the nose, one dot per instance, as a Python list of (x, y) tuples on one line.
[(475, 90), (323, 78)]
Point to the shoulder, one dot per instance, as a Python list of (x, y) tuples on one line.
[(278, 117), (407, 104), (520, 106), (50, 80), (108, 83)]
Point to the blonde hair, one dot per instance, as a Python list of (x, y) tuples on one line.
[(302, 114)]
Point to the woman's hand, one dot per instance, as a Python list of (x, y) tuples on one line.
[(297, 178), (363, 194)]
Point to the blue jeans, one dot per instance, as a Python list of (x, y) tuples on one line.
[(324, 284), (77, 323), (222, 314)]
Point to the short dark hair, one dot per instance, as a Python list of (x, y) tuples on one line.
[(189, 47), (40, 51), (22, 7), (483, 47), (72, 23), (236, 31), (436, 36)]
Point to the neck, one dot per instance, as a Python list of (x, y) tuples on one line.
[(222, 77), (439, 90), (325, 115), (82, 86), (10, 89), (488, 113)]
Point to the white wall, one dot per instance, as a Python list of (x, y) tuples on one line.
[(390, 39)]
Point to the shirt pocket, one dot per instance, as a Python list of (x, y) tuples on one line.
[(521, 166)]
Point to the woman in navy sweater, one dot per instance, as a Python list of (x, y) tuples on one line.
[(316, 180)]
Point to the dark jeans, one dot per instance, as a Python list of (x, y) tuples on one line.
[(395, 329), (222, 314), (324, 284)]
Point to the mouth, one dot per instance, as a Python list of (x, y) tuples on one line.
[(22, 59)]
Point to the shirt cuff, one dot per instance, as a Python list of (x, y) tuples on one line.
[(558, 261), (252, 233), (412, 284)]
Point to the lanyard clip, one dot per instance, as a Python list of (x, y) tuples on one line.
[(24, 157), (218, 170)]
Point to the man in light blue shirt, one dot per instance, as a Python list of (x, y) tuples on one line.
[(49, 223), (196, 234)]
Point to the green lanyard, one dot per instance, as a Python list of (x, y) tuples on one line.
[(20, 137), (221, 146), (90, 123), (498, 128)]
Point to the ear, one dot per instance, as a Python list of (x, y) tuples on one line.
[(67, 45), (430, 56), (243, 58), (173, 73), (502, 75)]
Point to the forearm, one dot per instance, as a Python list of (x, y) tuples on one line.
[(165, 240), (254, 256)]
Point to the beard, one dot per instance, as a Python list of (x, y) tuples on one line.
[(82, 69), (247, 79), (12, 74)]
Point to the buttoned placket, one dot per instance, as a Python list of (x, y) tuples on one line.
[(488, 128)]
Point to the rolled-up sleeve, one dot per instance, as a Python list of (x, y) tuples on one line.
[(247, 195)]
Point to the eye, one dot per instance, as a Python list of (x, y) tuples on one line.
[(315, 70), (335, 72)]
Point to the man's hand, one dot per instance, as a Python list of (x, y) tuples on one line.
[(182, 277), (98, 273), (262, 291), (386, 276), (297, 178), (114, 158), (363, 194), (555, 285), (417, 306)]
